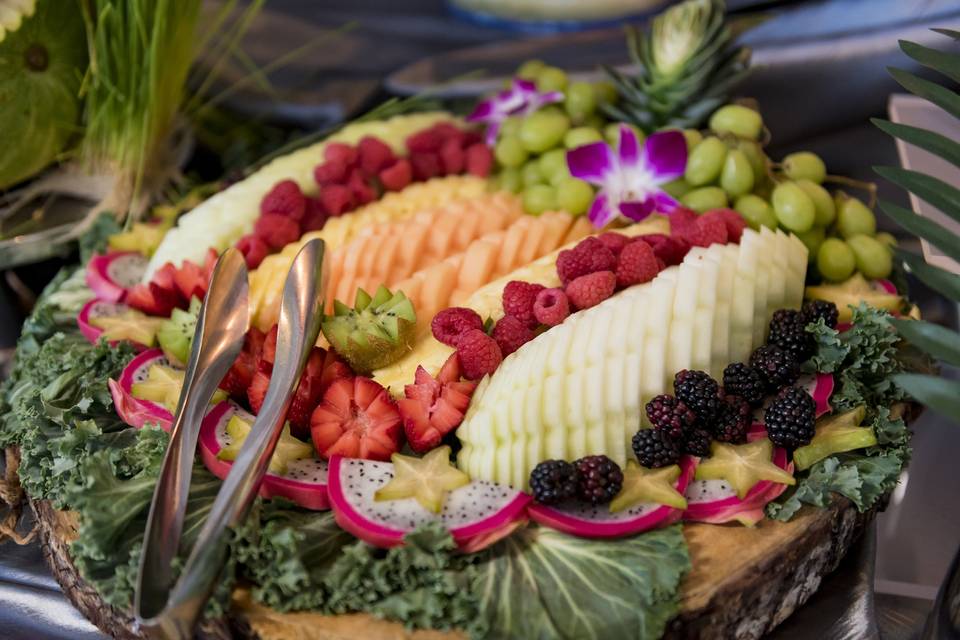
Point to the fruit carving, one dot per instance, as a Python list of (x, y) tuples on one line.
[(356, 419), (377, 331), (115, 322), (427, 480), (175, 335), (433, 407)]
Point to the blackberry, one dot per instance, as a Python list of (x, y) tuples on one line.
[(776, 367), (600, 479), (670, 415), (700, 392), (787, 331), (553, 481), (816, 309), (790, 418), (655, 448), (696, 442), (734, 420), (744, 381)]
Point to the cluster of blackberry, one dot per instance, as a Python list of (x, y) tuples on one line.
[(592, 479), (702, 410)]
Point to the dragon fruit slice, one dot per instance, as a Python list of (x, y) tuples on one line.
[(589, 521), (305, 481), (112, 274), (716, 502), (135, 411), (93, 309), (477, 515)]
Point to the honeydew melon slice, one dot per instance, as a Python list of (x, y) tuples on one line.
[(653, 355), (726, 261), (798, 269), (778, 252), (703, 319), (680, 339)]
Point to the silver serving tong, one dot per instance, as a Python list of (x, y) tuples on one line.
[(165, 609)]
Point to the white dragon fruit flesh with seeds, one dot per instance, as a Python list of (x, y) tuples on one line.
[(135, 411), (477, 514), (110, 275)]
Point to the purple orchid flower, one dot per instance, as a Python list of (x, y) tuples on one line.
[(521, 98), (630, 177)]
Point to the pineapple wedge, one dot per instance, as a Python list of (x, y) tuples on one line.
[(488, 302), (578, 389)]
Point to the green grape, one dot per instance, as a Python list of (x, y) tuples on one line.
[(738, 120), (676, 188), (705, 162), (606, 92), (736, 178), (580, 101), (756, 156), (539, 198), (793, 207), (530, 69), (509, 179), (805, 165), (873, 258), (886, 239), (835, 260), (826, 211), (693, 138), (543, 130), (854, 217), (511, 127), (551, 79), (509, 152), (813, 239), (756, 211), (552, 162), (705, 199), (579, 136), (574, 196), (531, 173)]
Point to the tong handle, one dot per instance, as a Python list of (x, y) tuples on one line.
[(217, 341), (301, 310)]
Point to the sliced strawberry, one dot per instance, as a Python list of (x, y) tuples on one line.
[(307, 396), (154, 300), (433, 407), (190, 281), (356, 419), (333, 369), (258, 390), (240, 376), (268, 351)]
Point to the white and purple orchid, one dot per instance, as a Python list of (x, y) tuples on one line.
[(521, 98), (630, 176)]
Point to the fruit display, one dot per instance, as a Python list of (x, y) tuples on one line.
[(564, 338)]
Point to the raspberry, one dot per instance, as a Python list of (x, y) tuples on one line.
[(374, 155), (637, 264), (254, 250), (670, 249), (479, 354), (448, 131), (682, 219), (362, 192), (425, 165), (732, 220), (551, 307), (276, 230), (707, 231), (315, 216), (426, 141), (397, 176), (511, 334), (340, 152), (337, 199), (471, 138), (591, 289), (518, 300), (588, 256), (452, 157), (479, 160), (614, 241), (330, 172), (285, 199), (448, 325)]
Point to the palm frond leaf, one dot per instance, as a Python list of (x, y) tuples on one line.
[(931, 141)]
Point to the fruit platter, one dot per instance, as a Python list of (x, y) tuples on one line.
[(592, 365)]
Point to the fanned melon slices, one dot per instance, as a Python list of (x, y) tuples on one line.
[(487, 301), (266, 283), (386, 254)]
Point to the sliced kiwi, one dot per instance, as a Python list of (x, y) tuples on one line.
[(175, 335), (836, 434), (375, 332)]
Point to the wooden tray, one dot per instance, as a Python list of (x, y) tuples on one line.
[(744, 582)]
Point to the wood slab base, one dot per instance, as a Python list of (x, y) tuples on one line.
[(744, 582)]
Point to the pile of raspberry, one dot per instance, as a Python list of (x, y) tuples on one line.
[(352, 176)]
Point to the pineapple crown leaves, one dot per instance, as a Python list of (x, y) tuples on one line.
[(686, 65), (941, 394)]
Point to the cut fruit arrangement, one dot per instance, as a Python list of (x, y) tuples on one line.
[(579, 311)]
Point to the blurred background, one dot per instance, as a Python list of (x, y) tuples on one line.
[(820, 73)]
